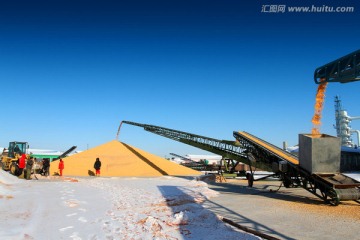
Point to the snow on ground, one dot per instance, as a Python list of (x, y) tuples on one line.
[(353, 175), (109, 208)]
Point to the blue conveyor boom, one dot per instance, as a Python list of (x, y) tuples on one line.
[(344, 70)]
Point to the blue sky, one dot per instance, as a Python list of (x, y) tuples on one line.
[(72, 70)]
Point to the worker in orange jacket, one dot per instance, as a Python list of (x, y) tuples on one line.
[(61, 166)]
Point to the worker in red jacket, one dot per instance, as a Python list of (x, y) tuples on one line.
[(21, 163), (61, 166)]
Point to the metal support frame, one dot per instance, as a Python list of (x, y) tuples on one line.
[(297, 177), (227, 149)]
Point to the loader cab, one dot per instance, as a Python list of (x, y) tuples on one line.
[(17, 148)]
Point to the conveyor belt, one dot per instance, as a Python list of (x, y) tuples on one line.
[(275, 150), (225, 148), (331, 188)]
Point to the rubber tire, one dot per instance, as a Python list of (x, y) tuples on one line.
[(14, 169), (334, 197), (250, 179)]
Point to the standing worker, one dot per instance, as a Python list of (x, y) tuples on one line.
[(22, 164), (46, 166), (97, 166), (61, 166), (29, 165)]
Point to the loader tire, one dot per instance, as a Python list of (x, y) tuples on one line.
[(14, 169)]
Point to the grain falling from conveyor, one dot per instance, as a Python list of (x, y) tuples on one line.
[(319, 104)]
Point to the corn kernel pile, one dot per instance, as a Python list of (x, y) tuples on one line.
[(121, 160)]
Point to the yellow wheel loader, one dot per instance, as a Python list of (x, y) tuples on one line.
[(10, 156)]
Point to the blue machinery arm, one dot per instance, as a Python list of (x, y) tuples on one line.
[(332, 188), (345, 69)]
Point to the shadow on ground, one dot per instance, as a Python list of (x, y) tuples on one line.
[(228, 204), (178, 200), (270, 191)]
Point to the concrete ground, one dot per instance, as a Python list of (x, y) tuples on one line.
[(290, 213)]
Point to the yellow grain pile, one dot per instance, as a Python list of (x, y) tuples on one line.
[(120, 159)]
